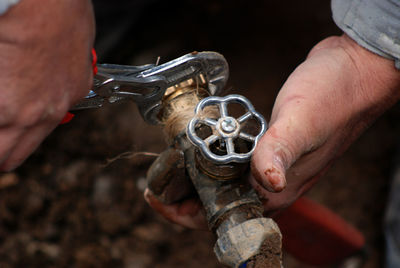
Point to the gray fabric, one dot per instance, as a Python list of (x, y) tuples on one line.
[(374, 24), (6, 4)]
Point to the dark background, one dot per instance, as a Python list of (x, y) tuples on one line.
[(65, 208)]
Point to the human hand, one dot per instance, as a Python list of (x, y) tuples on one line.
[(188, 213), (45, 63), (326, 103)]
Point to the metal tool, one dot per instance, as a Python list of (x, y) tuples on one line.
[(146, 85)]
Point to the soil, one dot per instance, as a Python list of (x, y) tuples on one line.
[(270, 255), (64, 207)]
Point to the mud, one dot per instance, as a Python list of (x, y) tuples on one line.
[(270, 255)]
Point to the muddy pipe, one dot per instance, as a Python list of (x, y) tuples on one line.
[(234, 212)]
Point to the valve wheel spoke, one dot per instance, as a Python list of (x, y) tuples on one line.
[(230, 147), (223, 109), (211, 139), (247, 137), (209, 122), (244, 117)]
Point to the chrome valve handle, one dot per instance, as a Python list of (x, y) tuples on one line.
[(226, 129)]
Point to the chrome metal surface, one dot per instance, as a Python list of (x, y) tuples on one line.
[(226, 129), (146, 85)]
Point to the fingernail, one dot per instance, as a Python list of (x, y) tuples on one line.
[(278, 183), (148, 196), (275, 178), (272, 178)]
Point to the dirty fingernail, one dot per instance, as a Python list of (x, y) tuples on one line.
[(275, 180), (278, 183)]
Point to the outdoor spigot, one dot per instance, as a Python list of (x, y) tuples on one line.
[(209, 153), (212, 156), (233, 209)]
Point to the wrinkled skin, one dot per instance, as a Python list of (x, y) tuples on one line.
[(45, 63), (325, 104)]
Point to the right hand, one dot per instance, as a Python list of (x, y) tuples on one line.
[(45, 63), (325, 104)]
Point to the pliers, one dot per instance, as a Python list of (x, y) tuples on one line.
[(147, 84)]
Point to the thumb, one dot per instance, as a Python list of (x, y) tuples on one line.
[(283, 143)]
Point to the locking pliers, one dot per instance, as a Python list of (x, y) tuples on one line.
[(146, 85)]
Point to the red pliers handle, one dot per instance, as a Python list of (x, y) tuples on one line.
[(68, 117)]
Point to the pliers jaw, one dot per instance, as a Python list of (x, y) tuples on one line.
[(146, 85)]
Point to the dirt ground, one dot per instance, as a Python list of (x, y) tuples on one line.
[(66, 208)]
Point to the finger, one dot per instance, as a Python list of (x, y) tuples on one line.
[(9, 138), (275, 202), (274, 154), (272, 202), (297, 128), (27, 143), (188, 213)]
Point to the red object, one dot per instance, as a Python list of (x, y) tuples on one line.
[(68, 117), (94, 61), (315, 235)]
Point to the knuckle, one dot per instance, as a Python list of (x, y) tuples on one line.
[(284, 152), (289, 141), (8, 113)]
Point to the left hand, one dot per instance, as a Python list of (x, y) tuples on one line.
[(189, 213), (45, 63)]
